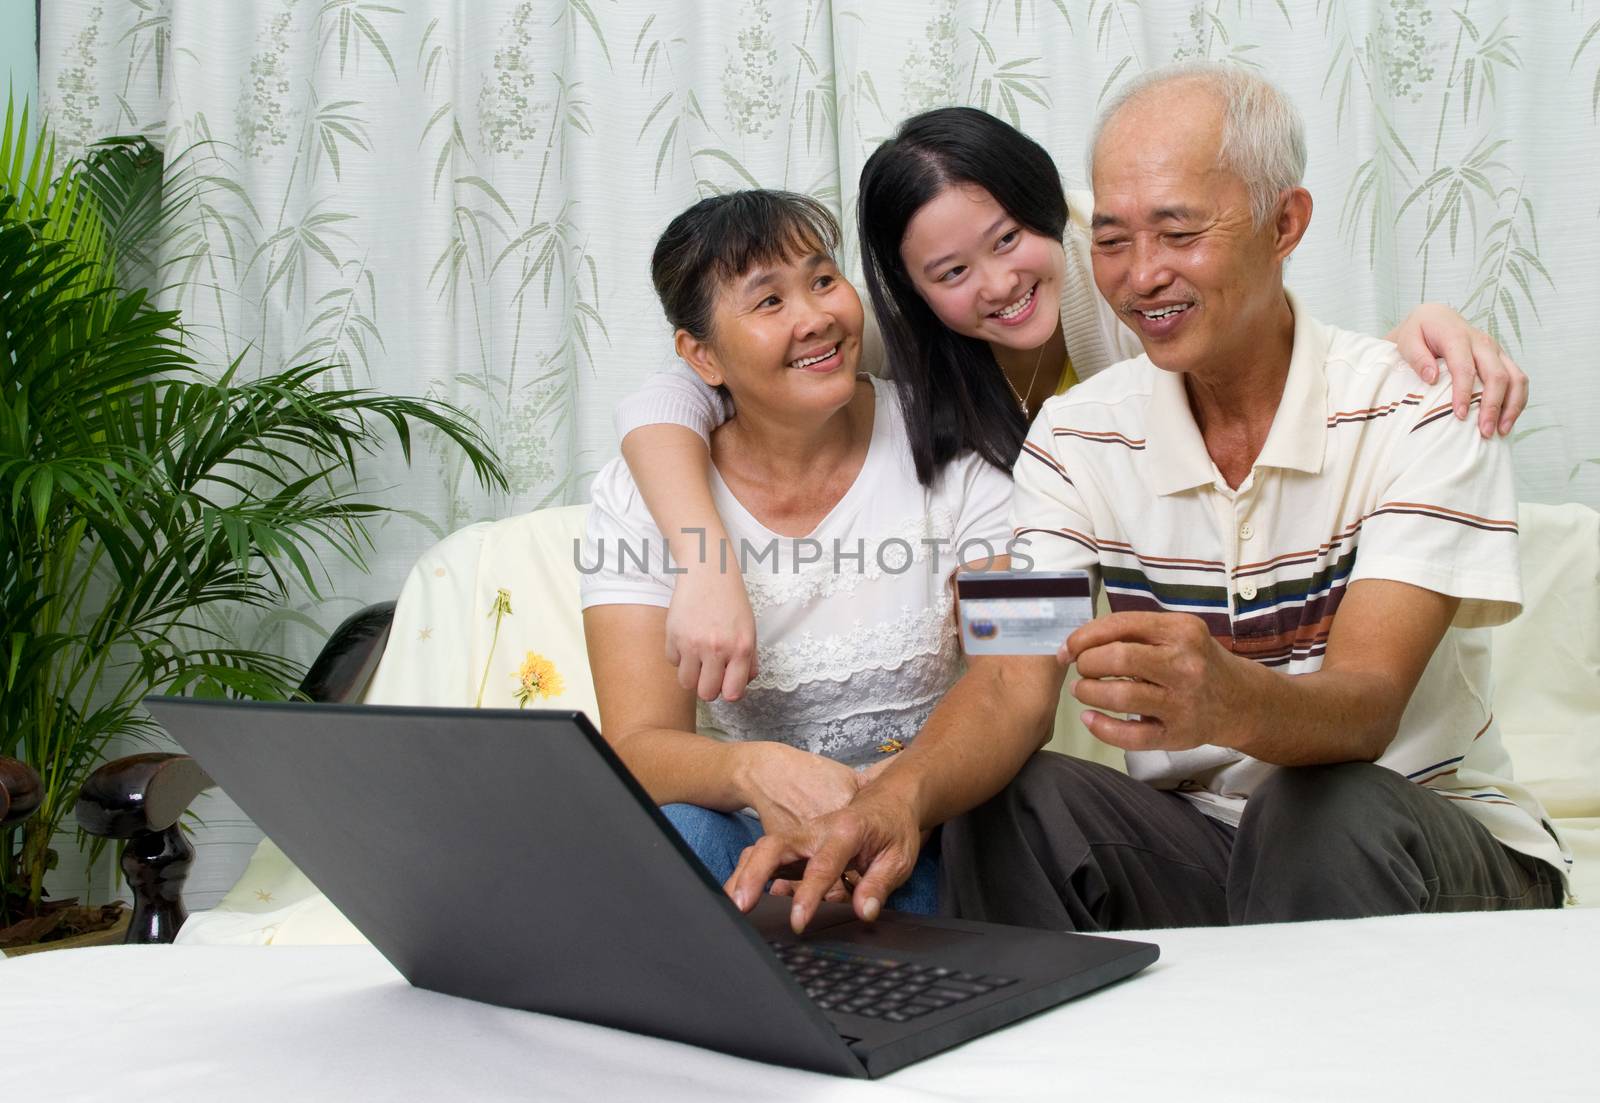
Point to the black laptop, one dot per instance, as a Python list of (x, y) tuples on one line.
[(509, 857)]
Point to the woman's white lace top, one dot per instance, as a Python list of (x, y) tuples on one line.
[(856, 636)]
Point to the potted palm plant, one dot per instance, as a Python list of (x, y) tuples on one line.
[(143, 500)]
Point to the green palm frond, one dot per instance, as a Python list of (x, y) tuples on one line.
[(43, 189), (143, 503)]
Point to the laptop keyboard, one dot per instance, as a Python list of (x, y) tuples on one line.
[(879, 988)]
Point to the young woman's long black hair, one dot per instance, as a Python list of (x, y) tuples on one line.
[(953, 392)]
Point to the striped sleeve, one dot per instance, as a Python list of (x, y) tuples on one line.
[(1051, 528), (1445, 517)]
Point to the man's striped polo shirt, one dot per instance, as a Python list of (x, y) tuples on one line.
[(1366, 473)]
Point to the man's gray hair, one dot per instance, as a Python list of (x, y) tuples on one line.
[(1263, 136)]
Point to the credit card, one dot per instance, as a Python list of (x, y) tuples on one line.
[(1021, 612)]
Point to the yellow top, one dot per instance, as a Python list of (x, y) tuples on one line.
[(1069, 378)]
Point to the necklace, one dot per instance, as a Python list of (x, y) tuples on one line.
[(1022, 401)]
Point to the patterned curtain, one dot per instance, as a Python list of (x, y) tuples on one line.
[(459, 198)]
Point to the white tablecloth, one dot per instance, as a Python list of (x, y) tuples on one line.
[(1415, 1008)]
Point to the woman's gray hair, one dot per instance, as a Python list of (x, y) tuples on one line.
[(1263, 136)]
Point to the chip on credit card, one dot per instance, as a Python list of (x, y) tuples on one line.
[(1021, 612)]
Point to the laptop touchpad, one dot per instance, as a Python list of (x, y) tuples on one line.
[(901, 935)]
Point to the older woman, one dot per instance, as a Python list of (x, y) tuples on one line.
[(846, 553)]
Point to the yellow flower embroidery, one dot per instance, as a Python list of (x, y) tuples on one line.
[(894, 746), (537, 677)]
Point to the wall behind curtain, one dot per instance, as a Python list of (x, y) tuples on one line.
[(19, 63), (459, 198)]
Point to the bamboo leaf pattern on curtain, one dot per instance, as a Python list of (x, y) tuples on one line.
[(460, 199)]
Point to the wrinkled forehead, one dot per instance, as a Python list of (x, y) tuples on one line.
[(1142, 140), (1147, 162)]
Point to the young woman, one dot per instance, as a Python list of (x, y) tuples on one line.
[(847, 554), (978, 268)]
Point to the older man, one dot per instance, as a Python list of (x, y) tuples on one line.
[(1295, 539)]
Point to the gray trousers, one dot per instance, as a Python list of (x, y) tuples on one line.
[(1072, 845)]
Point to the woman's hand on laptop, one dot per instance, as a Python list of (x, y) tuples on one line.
[(788, 787), (840, 892), (879, 837)]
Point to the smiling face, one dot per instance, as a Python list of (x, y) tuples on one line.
[(983, 273), (1175, 250), (785, 338)]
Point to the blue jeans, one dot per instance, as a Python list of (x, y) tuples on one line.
[(718, 838)]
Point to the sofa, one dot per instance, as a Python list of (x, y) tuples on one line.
[(490, 599)]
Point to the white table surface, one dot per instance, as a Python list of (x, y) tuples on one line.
[(1415, 1008)]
